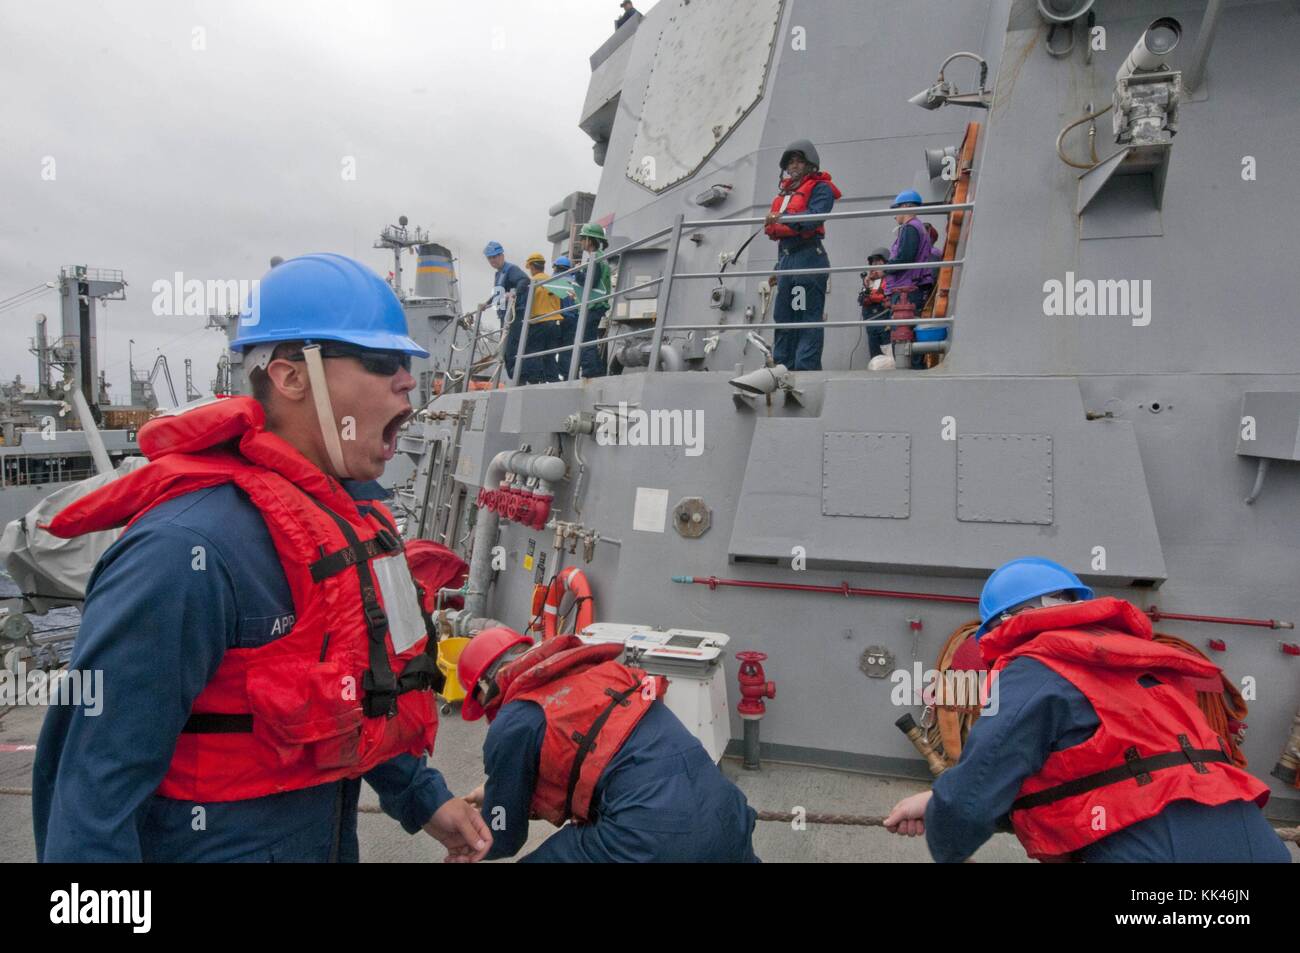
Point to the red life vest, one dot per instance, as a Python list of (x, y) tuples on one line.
[(585, 696), (1153, 746), (795, 202), (330, 699)]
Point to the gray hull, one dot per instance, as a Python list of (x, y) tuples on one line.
[(1111, 443)]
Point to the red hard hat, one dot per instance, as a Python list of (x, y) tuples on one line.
[(477, 657)]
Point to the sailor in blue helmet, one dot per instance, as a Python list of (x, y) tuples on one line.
[(912, 244), (1090, 740), (510, 278), (223, 613)]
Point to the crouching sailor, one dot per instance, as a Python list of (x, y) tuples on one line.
[(578, 737), (258, 628), (1097, 748)]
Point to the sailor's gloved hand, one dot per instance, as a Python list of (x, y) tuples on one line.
[(908, 815), (459, 827)]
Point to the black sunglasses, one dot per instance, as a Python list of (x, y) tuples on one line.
[(383, 363)]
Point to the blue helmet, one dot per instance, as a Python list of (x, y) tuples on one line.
[(1021, 580), (910, 197), (563, 262), (493, 248), (324, 297)]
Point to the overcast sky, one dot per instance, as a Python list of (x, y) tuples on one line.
[(208, 161)]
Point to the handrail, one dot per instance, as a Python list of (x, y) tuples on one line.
[(832, 270), (599, 298), (855, 323), (665, 282), (834, 216)]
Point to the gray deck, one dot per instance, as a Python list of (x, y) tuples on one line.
[(778, 787)]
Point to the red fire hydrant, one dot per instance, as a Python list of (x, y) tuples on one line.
[(902, 337), (754, 687)]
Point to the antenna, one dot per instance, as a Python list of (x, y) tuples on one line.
[(398, 237)]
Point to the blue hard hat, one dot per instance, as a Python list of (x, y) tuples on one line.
[(1021, 580), (563, 262), (324, 297), (493, 248), (910, 196)]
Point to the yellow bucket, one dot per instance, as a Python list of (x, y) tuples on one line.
[(448, 655)]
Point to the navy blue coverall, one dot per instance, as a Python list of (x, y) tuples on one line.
[(1040, 712), (158, 631), (590, 363), (661, 797), (796, 348), (512, 278), (568, 331), (877, 335)]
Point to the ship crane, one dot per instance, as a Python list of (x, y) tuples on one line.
[(191, 392), (161, 362), (143, 392)]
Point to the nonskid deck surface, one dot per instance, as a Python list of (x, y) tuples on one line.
[(777, 787)]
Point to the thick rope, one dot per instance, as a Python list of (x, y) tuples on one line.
[(781, 817)]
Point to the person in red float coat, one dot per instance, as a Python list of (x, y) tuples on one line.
[(261, 637), (580, 740), (1096, 748)]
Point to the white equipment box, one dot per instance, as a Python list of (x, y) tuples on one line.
[(692, 663)]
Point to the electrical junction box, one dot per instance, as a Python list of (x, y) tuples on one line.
[(692, 663)]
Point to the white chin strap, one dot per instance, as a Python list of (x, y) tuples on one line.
[(324, 411)]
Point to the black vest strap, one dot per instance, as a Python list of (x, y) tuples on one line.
[(421, 672), (378, 682), (426, 664), (587, 742), (383, 543), (1135, 768), (213, 723)]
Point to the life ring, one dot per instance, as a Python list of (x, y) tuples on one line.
[(567, 580)]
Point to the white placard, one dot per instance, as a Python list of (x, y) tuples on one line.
[(651, 510), (401, 601)]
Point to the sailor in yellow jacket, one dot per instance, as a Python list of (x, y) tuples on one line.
[(544, 322)]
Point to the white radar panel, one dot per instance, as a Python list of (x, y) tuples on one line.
[(708, 71)]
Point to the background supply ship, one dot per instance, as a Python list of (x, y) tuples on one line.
[(67, 428), (53, 439)]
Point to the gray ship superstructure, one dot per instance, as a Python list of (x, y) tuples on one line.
[(1118, 390)]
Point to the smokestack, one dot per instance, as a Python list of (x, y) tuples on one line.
[(42, 359)]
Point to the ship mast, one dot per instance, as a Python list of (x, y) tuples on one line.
[(398, 238)]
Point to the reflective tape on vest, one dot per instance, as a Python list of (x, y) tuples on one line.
[(401, 601)]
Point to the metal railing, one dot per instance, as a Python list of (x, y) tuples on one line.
[(665, 284)]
